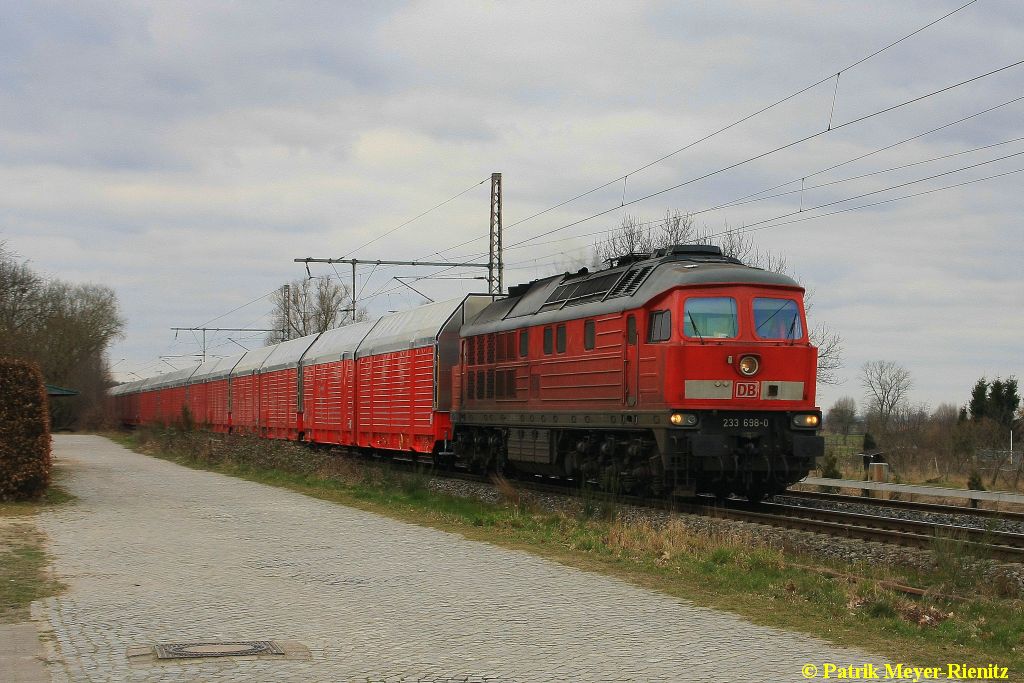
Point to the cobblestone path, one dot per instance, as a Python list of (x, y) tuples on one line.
[(157, 553)]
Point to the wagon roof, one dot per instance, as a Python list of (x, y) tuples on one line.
[(341, 342), (410, 329), (222, 369), (574, 295), (252, 360), (170, 379), (288, 354), (123, 388)]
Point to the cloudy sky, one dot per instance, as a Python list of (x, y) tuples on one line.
[(185, 152)]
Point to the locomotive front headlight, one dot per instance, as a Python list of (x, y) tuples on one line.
[(683, 419), (806, 421), (749, 365)]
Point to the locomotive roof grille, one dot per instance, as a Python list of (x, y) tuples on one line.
[(630, 281), (591, 288), (615, 289)]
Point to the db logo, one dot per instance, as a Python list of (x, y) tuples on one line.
[(747, 389)]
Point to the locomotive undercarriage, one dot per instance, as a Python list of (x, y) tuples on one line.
[(720, 456)]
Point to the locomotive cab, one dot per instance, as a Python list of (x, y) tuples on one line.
[(739, 384)]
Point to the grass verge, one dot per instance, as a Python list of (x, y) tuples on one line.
[(960, 619), (24, 565)]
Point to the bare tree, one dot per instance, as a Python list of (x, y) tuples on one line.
[(66, 329), (634, 236), (886, 389), (841, 416), (304, 307)]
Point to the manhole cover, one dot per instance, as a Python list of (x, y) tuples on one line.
[(246, 648)]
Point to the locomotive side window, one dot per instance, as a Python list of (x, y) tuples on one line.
[(588, 335), (510, 346), (660, 326), (524, 343), (548, 345), (631, 330), (560, 338), (777, 319), (710, 317)]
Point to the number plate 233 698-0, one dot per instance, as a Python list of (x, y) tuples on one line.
[(745, 423)]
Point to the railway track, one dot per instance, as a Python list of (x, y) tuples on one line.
[(996, 545), (909, 505)]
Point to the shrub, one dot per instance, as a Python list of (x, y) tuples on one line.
[(869, 442), (830, 467), (24, 431)]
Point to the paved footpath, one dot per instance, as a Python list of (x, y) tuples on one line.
[(157, 553)]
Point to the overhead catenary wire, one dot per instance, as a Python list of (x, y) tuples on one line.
[(762, 155), (238, 308), (812, 174), (840, 201), (825, 79), (417, 217), (751, 228), (739, 121), (885, 148), (802, 219), (832, 74)]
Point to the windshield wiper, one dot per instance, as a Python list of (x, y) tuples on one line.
[(792, 328), (695, 328)]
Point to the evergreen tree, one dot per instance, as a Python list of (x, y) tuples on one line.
[(979, 400)]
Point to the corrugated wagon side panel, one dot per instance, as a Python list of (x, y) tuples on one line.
[(244, 397), (217, 392), (279, 394), (330, 402), (396, 400)]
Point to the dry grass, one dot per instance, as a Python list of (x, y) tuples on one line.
[(24, 566)]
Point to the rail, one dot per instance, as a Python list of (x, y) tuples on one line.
[(918, 490)]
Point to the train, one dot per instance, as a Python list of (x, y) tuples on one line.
[(677, 373)]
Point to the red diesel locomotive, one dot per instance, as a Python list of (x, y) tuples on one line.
[(679, 372)]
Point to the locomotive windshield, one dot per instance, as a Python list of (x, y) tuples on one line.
[(777, 319), (710, 317)]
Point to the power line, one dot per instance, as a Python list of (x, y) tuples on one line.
[(865, 206), (750, 228), (883, 149), (745, 118), (783, 184), (857, 177), (820, 206), (725, 128), (769, 152), (238, 308), (417, 217)]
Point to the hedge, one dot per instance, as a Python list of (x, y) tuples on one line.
[(24, 431)]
